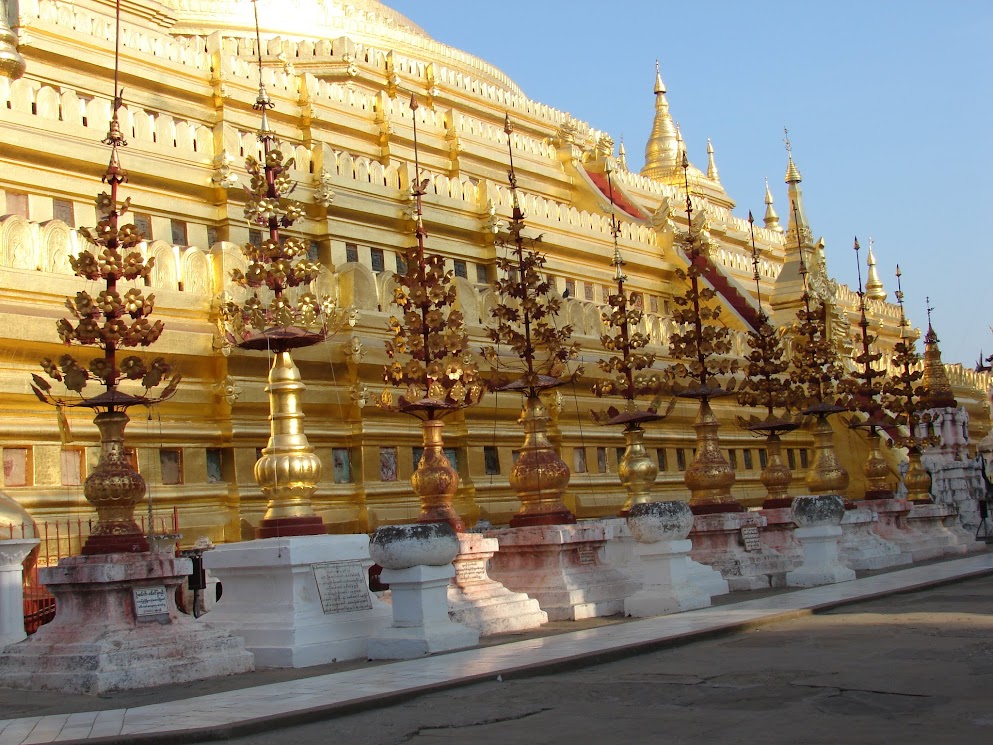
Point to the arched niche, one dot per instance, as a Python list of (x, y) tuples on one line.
[(58, 243), (165, 273), (357, 287), (195, 271)]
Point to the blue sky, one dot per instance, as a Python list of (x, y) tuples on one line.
[(889, 106)]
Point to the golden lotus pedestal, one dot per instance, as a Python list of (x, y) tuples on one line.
[(540, 476), (826, 474), (877, 473), (288, 470), (709, 477), (776, 477), (917, 480), (637, 471), (114, 488), (435, 481)]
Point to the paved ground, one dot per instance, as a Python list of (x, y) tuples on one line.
[(907, 669)]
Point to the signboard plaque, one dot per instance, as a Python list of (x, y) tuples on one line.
[(150, 603), (342, 586)]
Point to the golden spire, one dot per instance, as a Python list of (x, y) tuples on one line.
[(873, 285), (939, 390), (771, 218), (622, 156), (712, 172), (798, 225), (662, 150)]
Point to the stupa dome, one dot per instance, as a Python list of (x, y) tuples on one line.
[(364, 21), (308, 18)]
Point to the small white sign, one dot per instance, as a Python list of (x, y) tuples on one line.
[(750, 537), (342, 586), (150, 601)]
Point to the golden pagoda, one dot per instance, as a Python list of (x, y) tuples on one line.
[(340, 74)]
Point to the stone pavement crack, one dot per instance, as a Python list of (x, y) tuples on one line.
[(496, 720), (841, 690)]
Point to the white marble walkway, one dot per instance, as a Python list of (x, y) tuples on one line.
[(288, 700)]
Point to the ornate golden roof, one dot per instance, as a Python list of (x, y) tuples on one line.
[(939, 390)]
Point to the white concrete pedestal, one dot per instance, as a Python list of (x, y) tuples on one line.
[(666, 581), (12, 553), (481, 603), (117, 628), (560, 566), (718, 542), (620, 553), (298, 601), (820, 558), (421, 625), (860, 548), (938, 524)]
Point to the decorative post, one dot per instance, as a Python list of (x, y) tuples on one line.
[(116, 618), (767, 384), (440, 376), (866, 387), (110, 322), (637, 471), (906, 399), (705, 344), (817, 369), (526, 323), (277, 318)]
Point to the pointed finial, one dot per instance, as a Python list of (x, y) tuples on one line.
[(755, 261), (935, 380), (712, 172), (792, 173), (873, 284), (858, 265), (662, 148), (904, 324), (659, 85), (771, 218), (622, 156)]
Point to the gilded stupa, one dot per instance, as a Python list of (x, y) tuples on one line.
[(340, 74)]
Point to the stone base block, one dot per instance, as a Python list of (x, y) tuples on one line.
[(562, 568), (421, 624), (298, 601), (778, 535), (666, 585), (940, 525), (481, 603), (410, 643), (861, 549), (922, 539), (729, 543), (118, 628), (820, 558)]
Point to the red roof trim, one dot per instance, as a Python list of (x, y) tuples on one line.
[(619, 199)]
